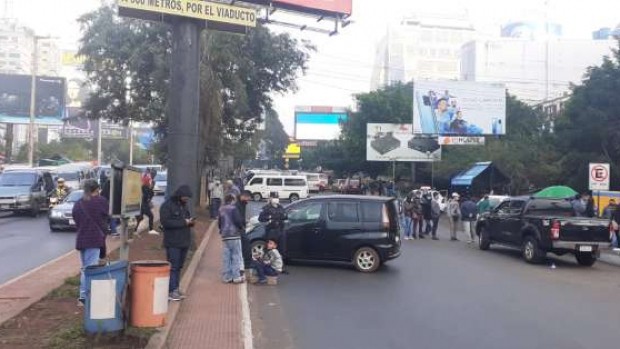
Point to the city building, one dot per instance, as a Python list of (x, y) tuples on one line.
[(536, 65), (422, 46), (17, 48)]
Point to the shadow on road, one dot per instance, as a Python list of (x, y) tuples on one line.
[(567, 261)]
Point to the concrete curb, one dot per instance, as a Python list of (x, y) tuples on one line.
[(158, 340)]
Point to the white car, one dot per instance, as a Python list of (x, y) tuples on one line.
[(161, 183), (292, 188)]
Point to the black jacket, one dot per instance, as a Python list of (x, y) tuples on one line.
[(275, 216), (172, 215), (242, 207)]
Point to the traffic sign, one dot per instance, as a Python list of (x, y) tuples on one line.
[(599, 176)]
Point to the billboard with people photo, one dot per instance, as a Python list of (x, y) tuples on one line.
[(459, 108)]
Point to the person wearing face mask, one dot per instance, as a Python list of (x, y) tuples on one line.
[(274, 215)]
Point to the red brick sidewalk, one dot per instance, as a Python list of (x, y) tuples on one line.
[(211, 316)]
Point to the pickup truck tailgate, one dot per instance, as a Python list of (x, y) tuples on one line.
[(584, 229)]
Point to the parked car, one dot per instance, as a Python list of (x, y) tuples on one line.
[(61, 216), (287, 187), (161, 183), (361, 230), (352, 186), (314, 182), (540, 226), (25, 191)]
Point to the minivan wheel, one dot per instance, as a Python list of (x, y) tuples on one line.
[(257, 197), (257, 248), (294, 197), (366, 260), (531, 250), (484, 240)]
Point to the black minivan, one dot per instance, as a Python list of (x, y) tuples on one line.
[(364, 230)]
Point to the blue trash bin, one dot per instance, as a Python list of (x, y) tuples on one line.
[(105, 292)]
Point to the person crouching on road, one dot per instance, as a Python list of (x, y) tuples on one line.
[(177, 222), (91, 219), (231, 224), (269, 264)]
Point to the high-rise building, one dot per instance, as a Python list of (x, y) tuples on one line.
[(422, 46), (17, 48), (533, 70)]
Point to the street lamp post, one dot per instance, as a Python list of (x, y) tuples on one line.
[(33, 97)]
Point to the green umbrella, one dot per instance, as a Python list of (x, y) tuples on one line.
[(556, 192)]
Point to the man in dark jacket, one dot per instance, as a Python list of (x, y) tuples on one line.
[(274, 215), (177, 223), (145, 207), (469, 215), (427, 210), (231, 225), (246, 249)]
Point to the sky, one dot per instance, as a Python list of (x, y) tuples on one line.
[(342, 64)]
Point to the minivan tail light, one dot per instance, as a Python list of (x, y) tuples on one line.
[(555, 230), (385, 218)]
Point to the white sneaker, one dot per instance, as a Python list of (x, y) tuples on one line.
[(153, 232)]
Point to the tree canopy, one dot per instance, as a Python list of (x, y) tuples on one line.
[(127, 62)]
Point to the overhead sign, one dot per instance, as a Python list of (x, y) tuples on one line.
[(599, 176), (319, 123), (459, 108), (396, 142), (342, 7), (204, 10), (461, 140)]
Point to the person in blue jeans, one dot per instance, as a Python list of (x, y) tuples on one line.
[(231, 225), (91, 220), (177, 223), (269, 264)]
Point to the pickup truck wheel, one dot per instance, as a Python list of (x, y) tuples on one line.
[(585, 259), (531, 250), (484, 240)]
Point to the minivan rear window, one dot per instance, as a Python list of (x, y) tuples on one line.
[(371, 211), (343, 212), (294, 182), (274, 181)]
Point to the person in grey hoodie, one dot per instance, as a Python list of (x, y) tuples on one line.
[(231, 225), (435, 214)]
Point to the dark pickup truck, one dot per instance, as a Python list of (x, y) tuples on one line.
[(539, 226)]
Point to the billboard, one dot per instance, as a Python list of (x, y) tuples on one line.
[(396, 142), (339, 7), (319, 123), (459, 108), (15, 99)]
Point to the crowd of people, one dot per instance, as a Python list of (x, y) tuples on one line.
[(421, 215)]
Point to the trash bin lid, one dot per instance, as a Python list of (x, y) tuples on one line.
[(150, 266)]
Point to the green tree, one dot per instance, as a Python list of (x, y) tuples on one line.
[(589, 128), (128, 61)]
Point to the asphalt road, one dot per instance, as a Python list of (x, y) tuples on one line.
[(441, 294), (26, 243)]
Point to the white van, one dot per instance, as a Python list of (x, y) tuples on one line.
[(287, 187)]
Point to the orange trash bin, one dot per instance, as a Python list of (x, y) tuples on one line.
[(149, 293)]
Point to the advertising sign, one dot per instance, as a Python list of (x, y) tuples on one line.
[(319, 123), (599, 177), (459, 108), (204, 10), (342, 7), (15, 99), (396, 142), (461, 140), (293, 151)]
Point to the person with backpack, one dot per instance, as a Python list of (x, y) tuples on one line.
[(454, 212)]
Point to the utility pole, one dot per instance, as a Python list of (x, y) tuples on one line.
[(183, 112), (99, 141), (130, 143), (33, 100)]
